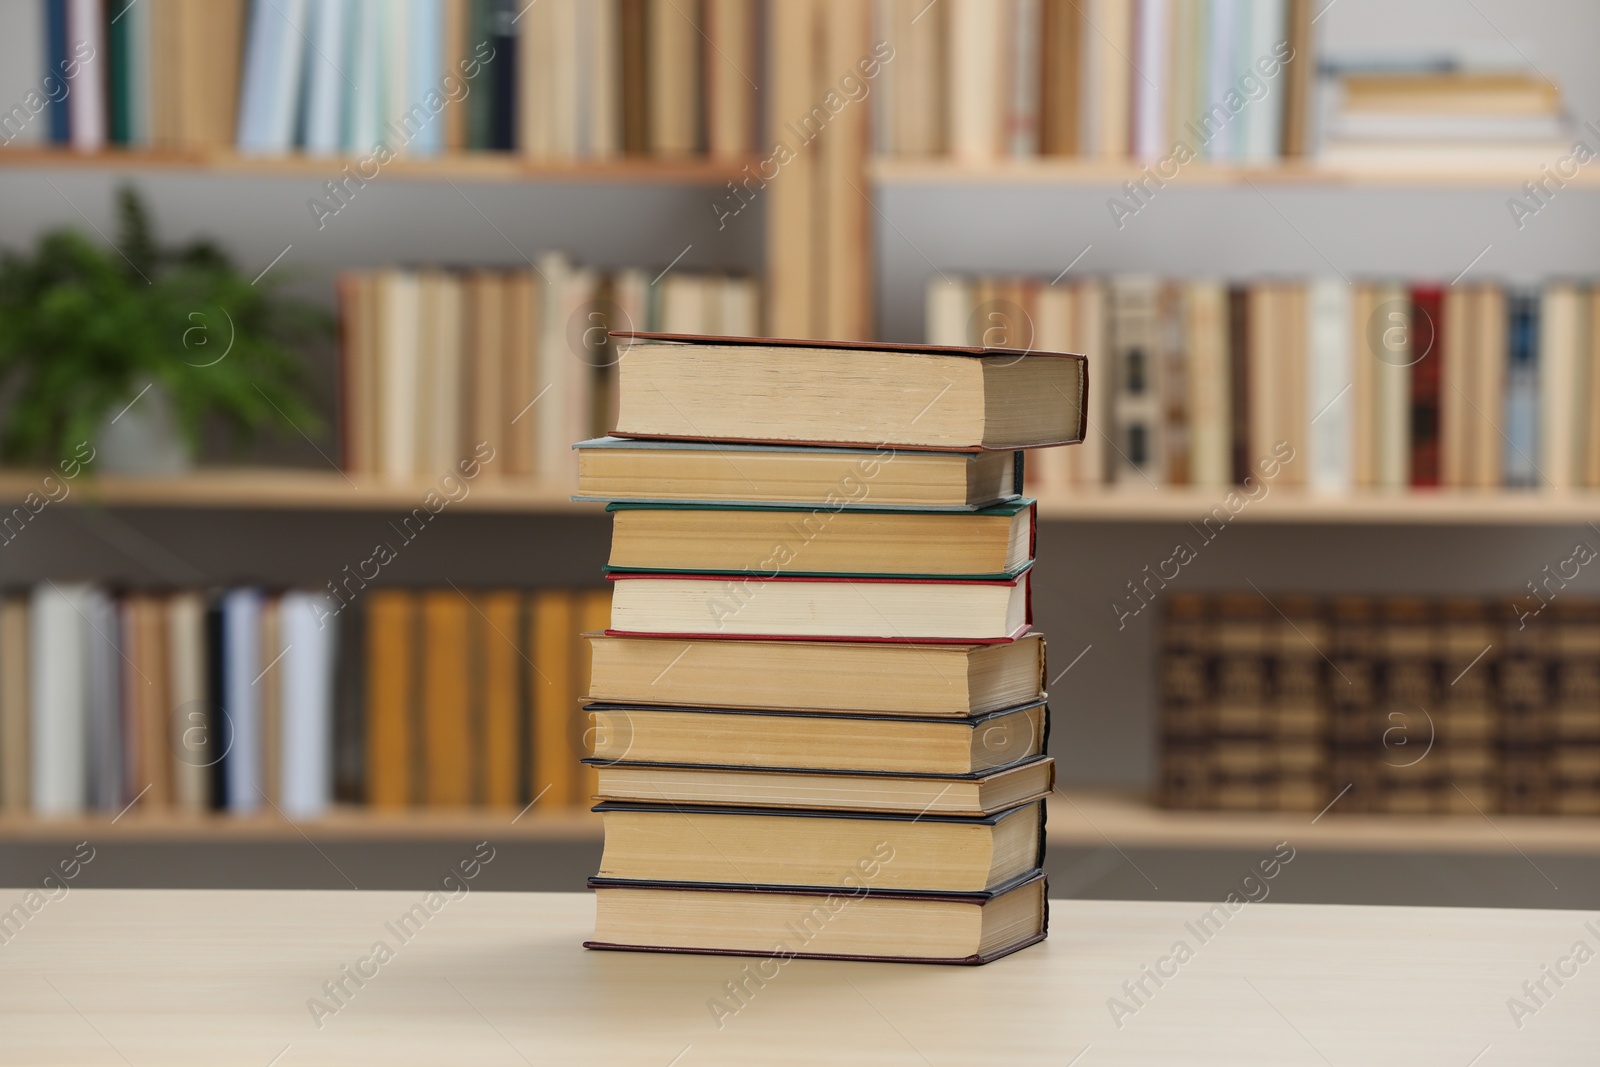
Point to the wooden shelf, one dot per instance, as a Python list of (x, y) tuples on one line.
[(1080, 818), (946, 172), (290, 490), (473, 167), (1422, 507), (313, 490), (342, 824), (1094, 818)]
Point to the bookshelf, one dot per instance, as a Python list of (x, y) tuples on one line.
[(263, 489), (1077, 818)]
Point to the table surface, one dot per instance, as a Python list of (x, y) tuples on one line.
[(225, 977)]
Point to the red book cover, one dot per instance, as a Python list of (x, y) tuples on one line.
[(1427, 321)]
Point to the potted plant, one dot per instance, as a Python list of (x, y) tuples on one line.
[(90, 334)]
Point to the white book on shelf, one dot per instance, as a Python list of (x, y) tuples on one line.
[(363, 123), (1263, 118), (86, 101), (398, 360), (1205, 310), (1330, 403), (285, 66), (1560, 321), (1392, 388), (325, 86), (107, 740), (262, 34), (310, 633), (241, 699), (394, 33), (1152, 77), (58, 641), (425, 65), (977, 66), (1222, 37), (948, 306)]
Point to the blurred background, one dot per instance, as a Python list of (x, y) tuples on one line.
[(303, 302)]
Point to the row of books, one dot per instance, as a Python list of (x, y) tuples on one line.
[(436, 363), (556, 80), (250, 700), (1400, 705), (820, 689), (1370, 385), (1154, 80)]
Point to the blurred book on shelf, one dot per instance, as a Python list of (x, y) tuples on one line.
[(1391, 705), (557, 80), (1318, 385), (258, 701), (438, 363), (1160, 81), (1407, 110)]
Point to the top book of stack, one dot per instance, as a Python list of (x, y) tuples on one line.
[(843, 393)]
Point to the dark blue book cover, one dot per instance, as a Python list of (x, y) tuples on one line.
[(55, 57), (1521, 420)]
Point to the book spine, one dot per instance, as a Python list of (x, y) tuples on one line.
[(1427, 357)]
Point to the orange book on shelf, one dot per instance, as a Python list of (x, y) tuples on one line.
[(446, 699), (594, 614), (555, 692), (497, 666), (391, 658)]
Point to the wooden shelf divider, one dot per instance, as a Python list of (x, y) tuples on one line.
[(321, 490), (1079, 818), (469, 166)]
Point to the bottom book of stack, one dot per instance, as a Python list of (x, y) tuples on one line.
[(821, 834)]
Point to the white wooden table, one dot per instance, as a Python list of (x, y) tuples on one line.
[(221, 978)]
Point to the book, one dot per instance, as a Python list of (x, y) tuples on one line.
[(14, 704), (984, 793), (882, 678), (190, 728), (1427, 353), (554, 691), (446, 698), (86, 31), (58, 641), (708, 540), (841, 924), (1520, 402), (623, 469), (391, 656), (823, 741), (311, 637), (498, 666), (240, 699), (776, 848), (976, 75), (1329, 383), (1563, 324), (673, 66), (914, 396), (973, 611), (1139, 456)]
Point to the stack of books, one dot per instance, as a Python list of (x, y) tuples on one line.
[(819, 709)]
